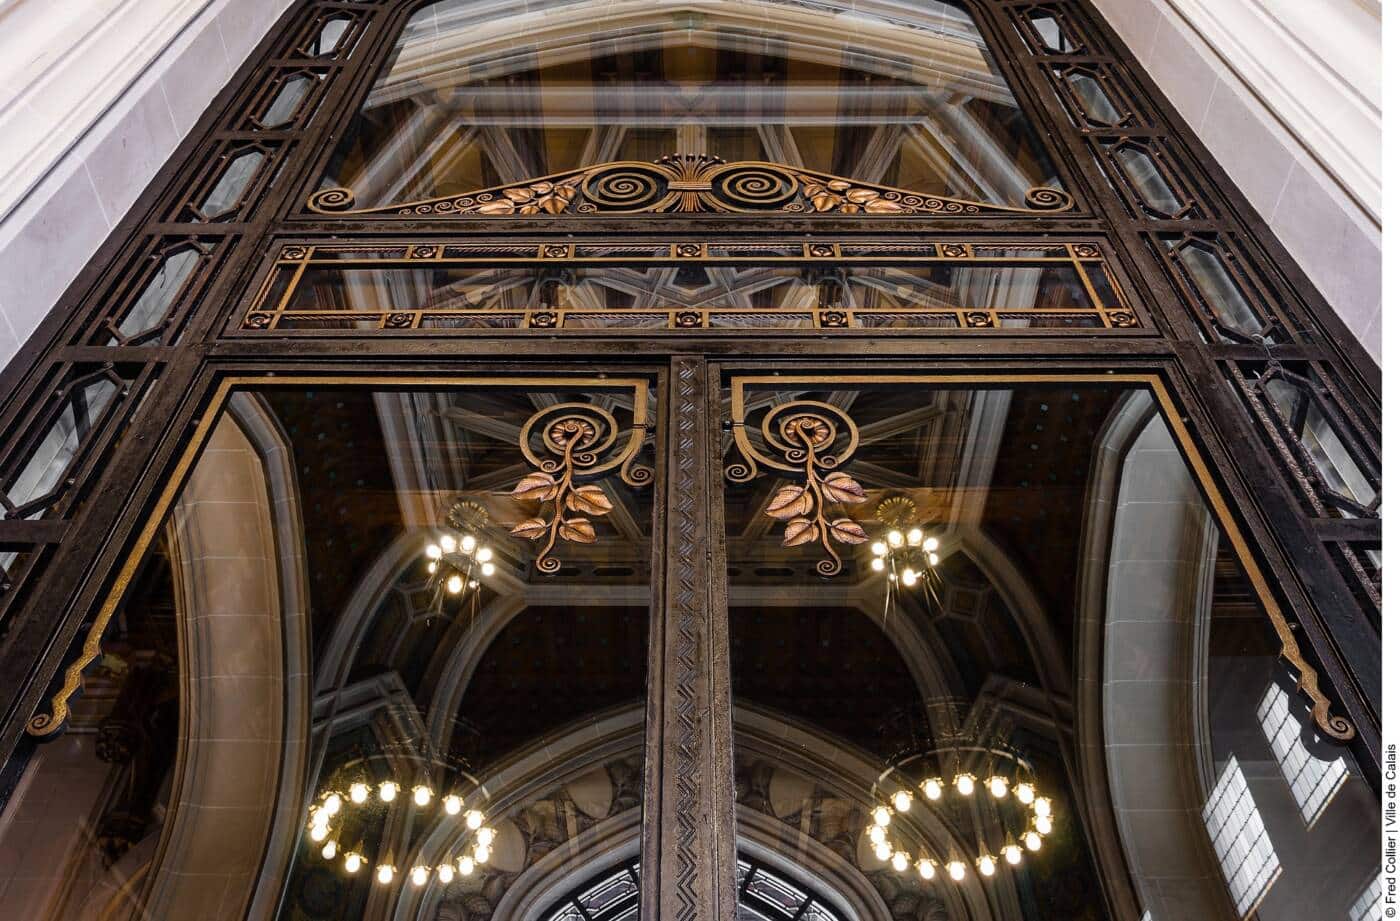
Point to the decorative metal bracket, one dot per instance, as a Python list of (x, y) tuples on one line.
[(804, 435), (691, 183), (583, 442)]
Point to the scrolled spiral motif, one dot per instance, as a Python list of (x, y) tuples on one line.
[(629, 187), (330, 201), (753, 186), (578, 444), (1045, 198)]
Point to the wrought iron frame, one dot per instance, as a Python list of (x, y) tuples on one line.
[(1307, 556)]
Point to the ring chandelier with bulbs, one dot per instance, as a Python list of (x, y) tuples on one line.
[(460, 557), (964, 786), (330, 820), (906, 555)]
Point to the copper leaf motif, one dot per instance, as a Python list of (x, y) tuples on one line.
[(531, 529), (789, 502), (799, 531), (535, 486), (883, 206), (578, 530), (842, 487), (518, 195), (591, 500), (497, 207), (848, 532)]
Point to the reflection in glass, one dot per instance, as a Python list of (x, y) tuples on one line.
[(328, 40), (228, 191), (314, 659), (1047, 26), (1367, 906), (1094, 102), (1033, 492), (285, 104), (1313, 431), (1219, 290), (81, 406), (160, 292), (1142, 171), (902, 96)]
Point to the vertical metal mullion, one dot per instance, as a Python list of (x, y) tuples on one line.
[(689, 826)]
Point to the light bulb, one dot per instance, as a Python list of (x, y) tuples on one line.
[(1025, 793), (881, 815), (448, 543), (473, 584), (903, 800), (878, 564), (914, 536), (965, 784), (986, 864), (474, 819), (385, 873), (432, 567), (484, 836), (481, 853), (452, 804), (419, 875), (319, 833), (422, 795), (445, 872), (877, 834), (388, 790), (465, 865), (483, 555), (879, 548), (320, 818), (359, 792), (895, 539), (932, 559), (467, 543), (909, 577), (1042, 806), (997, 786), (884, 851), (930, 544), (900, 861), (933, 788), (353, 862), (488, 569), (1033, 841), (455, 584), (957, 870), (926, 869), (328, 851), (1012, 853), (1043, 824), (333, 804), (434, 552)]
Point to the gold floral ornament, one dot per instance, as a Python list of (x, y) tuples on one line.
[(537, 197), (580, 443), (802, 439), (843, 197)]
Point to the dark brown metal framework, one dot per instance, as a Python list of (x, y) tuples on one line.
[(1309, 541)]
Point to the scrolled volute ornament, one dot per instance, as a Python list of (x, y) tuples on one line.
[(571, 446), (807, 441)]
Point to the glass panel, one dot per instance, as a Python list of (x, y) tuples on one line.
[(1222, 295), (1047, 26), (1093, 100), (330, 36), (693, 286), (160, 292), (1313, 431), (1141, 170), (40, 475), (297, 694), (228, 191), (289, 98), (904, 611), (482, 95)]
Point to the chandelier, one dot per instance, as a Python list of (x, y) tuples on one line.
[(906, 555), (460, 557), (1008, 816), (343, 819)]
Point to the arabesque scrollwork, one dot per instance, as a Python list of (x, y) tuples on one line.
[(691, 184)]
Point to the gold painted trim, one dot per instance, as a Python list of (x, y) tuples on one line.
[(689, 183), (47, 725), (1336, 726)]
